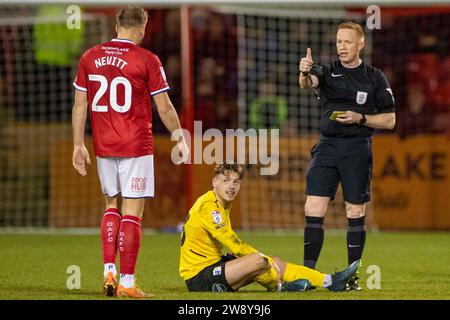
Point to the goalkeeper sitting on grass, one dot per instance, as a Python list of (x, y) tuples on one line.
[(208, 229)]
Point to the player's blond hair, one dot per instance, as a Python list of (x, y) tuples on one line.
[(227, 168), (131, 16), (352, 26)]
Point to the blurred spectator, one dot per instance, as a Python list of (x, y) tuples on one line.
[(215, 61), (37, 63), (426, 70), (442, 98), (215, 65), (423, 65), (165, 41), (205, 93), (413, 51), (55, 48), (214, 107), (226, 110), (268, 110), (415, 118)]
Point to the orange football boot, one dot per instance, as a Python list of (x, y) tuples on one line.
[(110, 285), (133, 292)]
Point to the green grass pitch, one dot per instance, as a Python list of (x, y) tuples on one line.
[(412, 265)]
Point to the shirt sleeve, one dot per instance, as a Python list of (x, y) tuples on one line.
[(80, 82), (157, 81), (384, 97), (318, 71), (220, 229)]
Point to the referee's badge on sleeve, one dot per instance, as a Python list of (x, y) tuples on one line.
[(361, 97), (217, 217)]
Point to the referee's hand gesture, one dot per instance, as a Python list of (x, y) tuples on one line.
[(306, 62), (349, 117)]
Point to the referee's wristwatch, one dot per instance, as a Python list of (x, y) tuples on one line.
[(363, 120)]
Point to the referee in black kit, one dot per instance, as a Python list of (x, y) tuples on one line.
[(355, 99)]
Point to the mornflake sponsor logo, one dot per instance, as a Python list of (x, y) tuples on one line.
[(258, 147)]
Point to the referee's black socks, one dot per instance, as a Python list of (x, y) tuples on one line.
[(356, 238), (313, 242)]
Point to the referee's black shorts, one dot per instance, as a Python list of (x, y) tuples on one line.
[(345, 160)]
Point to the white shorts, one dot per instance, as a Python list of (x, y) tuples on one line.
[(132, 177)]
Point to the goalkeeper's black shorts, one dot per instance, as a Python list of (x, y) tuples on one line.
[(212, 278)]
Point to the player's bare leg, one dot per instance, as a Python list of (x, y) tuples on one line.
[(111, 202), (129, 243), (315, 209), (133, 207), (356, 236), (110, 229), (244, 270)]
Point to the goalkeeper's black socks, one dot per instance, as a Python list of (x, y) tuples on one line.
[(356, 238), (314, 235)]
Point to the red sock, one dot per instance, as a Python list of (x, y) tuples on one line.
[(110, 229), (129, 242)]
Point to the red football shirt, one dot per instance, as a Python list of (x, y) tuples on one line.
[(119, 78)]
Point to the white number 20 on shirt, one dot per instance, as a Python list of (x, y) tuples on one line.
[(112, 93)]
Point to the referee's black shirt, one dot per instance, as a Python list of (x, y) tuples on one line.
[(363, 89)]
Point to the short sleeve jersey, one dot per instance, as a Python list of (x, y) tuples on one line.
[(119, 78), (206, 232), (363, 89)]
